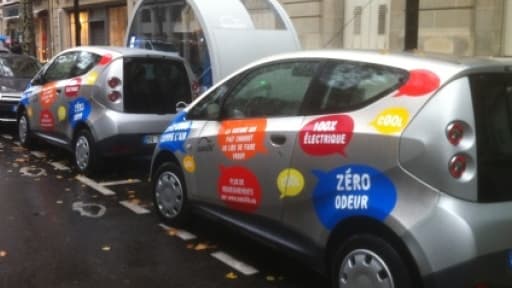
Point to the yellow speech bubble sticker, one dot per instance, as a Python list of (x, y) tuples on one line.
[(91, 78), (29, 112), (391, 120), (290, 182), (61, 113), (189, 164)]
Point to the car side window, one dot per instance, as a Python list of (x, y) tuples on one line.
[(345, 86), (85, 61), (61, 68), (275, 90), (208, 108)]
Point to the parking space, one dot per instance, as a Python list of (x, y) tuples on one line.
[(76, 231)]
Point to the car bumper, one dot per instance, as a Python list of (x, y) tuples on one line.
[(489, 271), (127, 145), (463, 244), (8, 111)]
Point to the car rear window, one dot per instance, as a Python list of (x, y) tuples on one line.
[(18, 67), (154, 85), (492, 101)]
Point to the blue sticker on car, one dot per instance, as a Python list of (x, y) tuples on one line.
[(176, 134), (352, 190), (79, 111)]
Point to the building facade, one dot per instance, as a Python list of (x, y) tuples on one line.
[(458, 27)]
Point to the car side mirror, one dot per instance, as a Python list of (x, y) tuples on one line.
[(213, 111), (180, 106)]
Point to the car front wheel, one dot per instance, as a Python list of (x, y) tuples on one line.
[(24, 131), (169, 194), (367, 261)]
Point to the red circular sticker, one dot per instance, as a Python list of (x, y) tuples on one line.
[(327, 135), (239, 188), (73, 87), (46, 120), (420, 82)]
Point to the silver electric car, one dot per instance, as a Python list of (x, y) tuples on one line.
[(382, 170), (104, 101)]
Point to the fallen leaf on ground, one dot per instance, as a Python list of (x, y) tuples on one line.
[(190, 246), (68, 189), (172, 232), (270, 278), (59, 202), (20, 160), (131, 192), (203, 246), (106, 248), (59, 177), (231, 276), (135, 201), (131, 196), (3, 253)]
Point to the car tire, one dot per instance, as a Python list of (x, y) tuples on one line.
[(85, 153), (369, 261), (170, 195), (24, 134)]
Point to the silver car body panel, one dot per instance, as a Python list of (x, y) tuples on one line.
[(435, 215)]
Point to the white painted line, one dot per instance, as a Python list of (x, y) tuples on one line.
[(120, 182), (103, 190), (38, 154), (240, 266), (8, 137), (59, 166), (134, 207), (182, 234)]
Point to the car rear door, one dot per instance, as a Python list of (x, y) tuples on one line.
[(242, 159), (345, 146)]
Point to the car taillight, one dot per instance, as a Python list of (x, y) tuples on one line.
[(114, 82), (114, 96), (455, 132), (457, 165)]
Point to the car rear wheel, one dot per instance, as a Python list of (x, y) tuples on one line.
[(169, 194), (24, 131), (86, 155), (367, 261)]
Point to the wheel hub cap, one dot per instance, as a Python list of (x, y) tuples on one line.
[(169, 194), (364, 269), (82, 152)]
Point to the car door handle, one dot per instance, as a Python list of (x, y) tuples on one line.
[(278, 139)]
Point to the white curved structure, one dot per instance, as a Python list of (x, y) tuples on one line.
[(216, 37)]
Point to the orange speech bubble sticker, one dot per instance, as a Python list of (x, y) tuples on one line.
[(242, 139), (48, 95)]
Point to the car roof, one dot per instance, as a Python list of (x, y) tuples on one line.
[(124, 51), (404, 60)]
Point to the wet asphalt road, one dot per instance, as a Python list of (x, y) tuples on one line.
[(57, 232)]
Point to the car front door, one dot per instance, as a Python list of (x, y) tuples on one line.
[(48, 113), (242, 157)]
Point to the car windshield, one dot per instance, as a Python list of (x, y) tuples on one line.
[(18, 67)]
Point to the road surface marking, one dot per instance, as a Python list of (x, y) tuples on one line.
[(59, 166), (103, 190), (182, 234), (134, 207), (83, 208), (32, 172), (8, 137), (120, 182), (240, 266), (38, 154)]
